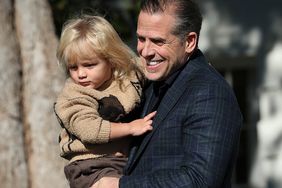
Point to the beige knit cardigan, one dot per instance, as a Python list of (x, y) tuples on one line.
[(85, 134)]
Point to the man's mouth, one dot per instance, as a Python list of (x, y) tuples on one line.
[(153, 63), (152, 66)]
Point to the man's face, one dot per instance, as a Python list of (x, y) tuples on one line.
[(161, 52)]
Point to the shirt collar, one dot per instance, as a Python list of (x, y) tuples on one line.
[(163, 85)]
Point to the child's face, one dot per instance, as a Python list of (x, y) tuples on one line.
[(91, 73)]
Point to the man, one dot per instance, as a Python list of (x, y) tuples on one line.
[(195, 136)]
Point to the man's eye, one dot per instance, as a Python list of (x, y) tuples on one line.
[(158, 42), (141, 39)]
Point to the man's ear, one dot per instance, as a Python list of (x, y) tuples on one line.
[(191, 42)]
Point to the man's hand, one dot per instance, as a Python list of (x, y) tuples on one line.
[(105, 182)]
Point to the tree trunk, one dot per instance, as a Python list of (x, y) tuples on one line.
[(30, 76), (13, 169), (41, 81)]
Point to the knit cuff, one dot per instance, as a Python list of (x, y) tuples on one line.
[(104, 133)]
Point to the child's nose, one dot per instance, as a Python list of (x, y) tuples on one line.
[(81, 73)]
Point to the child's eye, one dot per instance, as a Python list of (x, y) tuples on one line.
[(72, 67), (90, 65)]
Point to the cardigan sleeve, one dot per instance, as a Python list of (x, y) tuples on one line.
[(78, 112)]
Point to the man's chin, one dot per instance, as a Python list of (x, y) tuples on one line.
[(152, 76)]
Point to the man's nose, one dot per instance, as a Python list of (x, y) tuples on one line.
[(148, 50)]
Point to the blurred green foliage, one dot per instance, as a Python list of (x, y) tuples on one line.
[(122, 14)]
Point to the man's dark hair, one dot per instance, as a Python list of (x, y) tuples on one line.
[(187, 11)]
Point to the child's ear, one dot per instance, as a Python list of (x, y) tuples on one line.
[(191, 42)]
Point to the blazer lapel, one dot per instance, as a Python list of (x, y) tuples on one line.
[(148, 95), (169, 100)]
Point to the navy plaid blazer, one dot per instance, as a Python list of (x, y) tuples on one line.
[(195, 138)]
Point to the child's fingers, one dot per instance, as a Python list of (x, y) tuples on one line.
[(149, 122), (150, 116), (148, 128)]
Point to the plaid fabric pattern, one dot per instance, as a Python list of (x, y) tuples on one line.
[(195, 138)]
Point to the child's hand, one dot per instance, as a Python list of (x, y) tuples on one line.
[(140, 126)]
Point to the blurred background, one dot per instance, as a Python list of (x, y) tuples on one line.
[(242, 40)]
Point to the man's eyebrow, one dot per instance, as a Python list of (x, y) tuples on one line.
[(137, 34), (152, 38), (157, 39)]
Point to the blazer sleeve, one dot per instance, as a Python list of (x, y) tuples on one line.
[(210, 131)]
